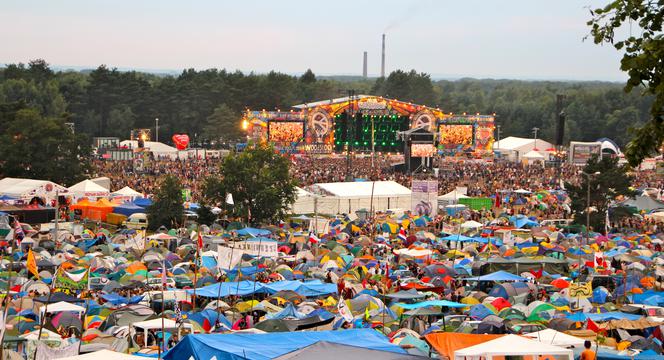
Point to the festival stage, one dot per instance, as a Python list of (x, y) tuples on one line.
[(338, 125)]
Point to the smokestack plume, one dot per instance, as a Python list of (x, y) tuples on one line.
[(382, 59), (364, 66)]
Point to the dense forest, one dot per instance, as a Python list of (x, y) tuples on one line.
[(207, 104)]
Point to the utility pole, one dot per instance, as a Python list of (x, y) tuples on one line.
[(156, 129), (535, 130)]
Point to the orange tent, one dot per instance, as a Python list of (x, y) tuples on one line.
[(447, 343), (82, 206), (99, 210)]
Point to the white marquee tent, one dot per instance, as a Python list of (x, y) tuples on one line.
[(348, 197), (126, 193), (88, 189), (511, 345), (514, 148), (26, 189)]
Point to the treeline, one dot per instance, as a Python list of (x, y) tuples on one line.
[(207, 104)]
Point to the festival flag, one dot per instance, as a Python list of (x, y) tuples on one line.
[(344, 311), (229, 199), (593, 326), (581, 290), (599, 261), (178, 314), (18, 232), (31, 264), (313, 238), (402, 234), (200, 241), (76, 279), (498, 200), (537, 274)]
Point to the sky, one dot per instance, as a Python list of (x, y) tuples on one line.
[(519, 39)]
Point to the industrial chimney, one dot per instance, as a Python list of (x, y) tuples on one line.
[(382, 59), (364, 66)]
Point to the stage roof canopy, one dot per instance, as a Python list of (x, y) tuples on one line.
[(363, 189)]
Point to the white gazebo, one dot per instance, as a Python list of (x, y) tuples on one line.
[(156, 324), (511, 345), (557, 338), (88, 189), (126, 193), (61, 307)]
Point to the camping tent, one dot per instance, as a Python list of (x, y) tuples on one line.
[(511, 345), (324, 350), (273, 345), (61, 307), (498, 276), (127, 209), (88, 189)]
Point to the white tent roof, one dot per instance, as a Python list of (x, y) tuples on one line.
[(300, 192), (153, 146), (471, 225), (88, 188), (156, 324), (557, 338), (104, 355), (23, 188), (62, 306), (46, 335), (452, 196), (126, 191), (510, 345), (532, 154), (517, 143), (362, 189)]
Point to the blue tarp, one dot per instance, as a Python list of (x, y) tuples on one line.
[(142, 202), (127, 209), (649, 297), (243, 288), (613, 315), (498, 276), (457, 237), (271, 345), (432, 303), (248, 231)]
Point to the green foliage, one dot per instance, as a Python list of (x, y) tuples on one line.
[(222, 124), (612, 182), (167, 208), (642, 61), (205, 215), (207, 104), (260, 182), (39, 147)]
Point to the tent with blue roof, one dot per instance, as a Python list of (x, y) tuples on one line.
[(498, 276), (289, 312), (253, 232), (128, 209), (142, 202), (271, 345)]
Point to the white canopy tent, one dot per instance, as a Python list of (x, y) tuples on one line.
[(61, 307), (512, 345), (471, 225), (126, 192), (348, 197), (88, 189), (26, 189), (514, 148), (557, 338), (156, 324), (104, 355)]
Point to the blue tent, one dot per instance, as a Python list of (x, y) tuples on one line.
[(271, 345), (457, 237), (288, 312), (142, 202), (599, 295), (480, 311), (127, 209), (422, 304), (248, 231), (243, 288), (498, 276), (650, 297)]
